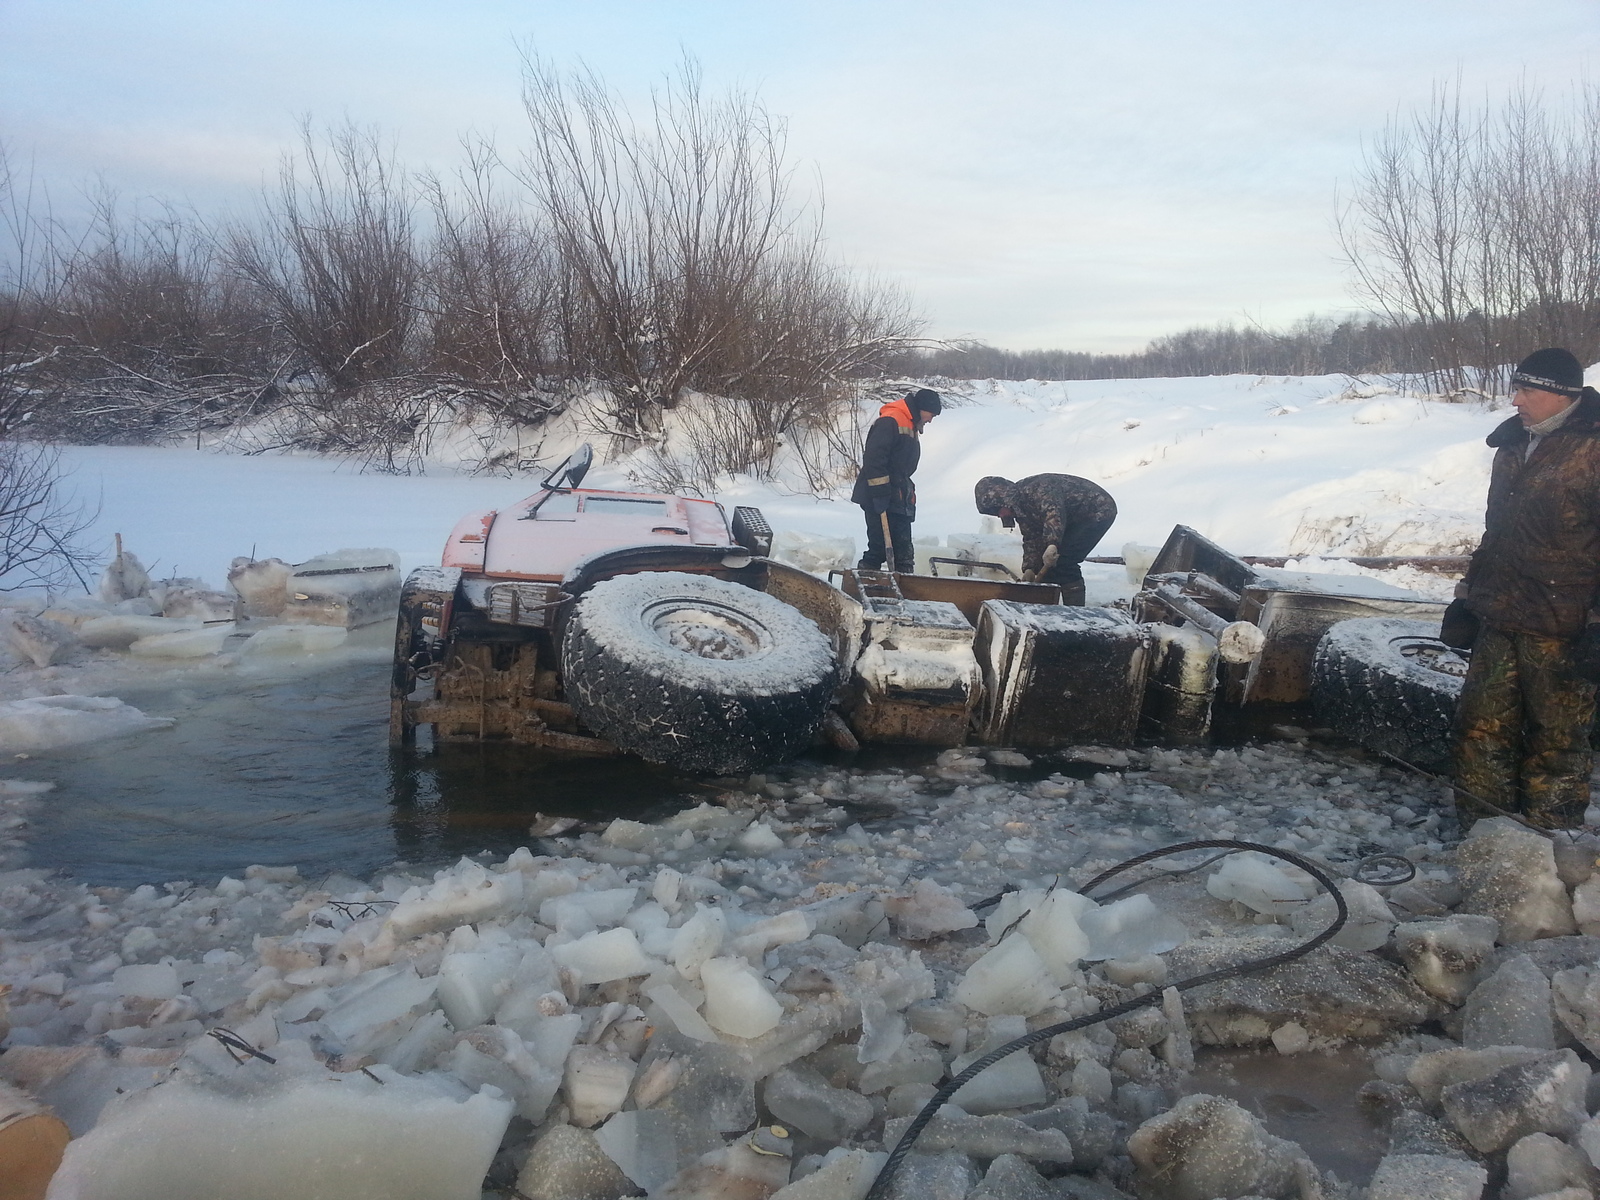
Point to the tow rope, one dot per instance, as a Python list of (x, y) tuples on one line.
[(880, 1186)]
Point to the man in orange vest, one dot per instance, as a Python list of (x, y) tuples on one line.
[(883, 488)]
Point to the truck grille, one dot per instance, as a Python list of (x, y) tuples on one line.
[(528, 604)]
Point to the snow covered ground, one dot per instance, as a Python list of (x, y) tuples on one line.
[(1261, 465), (617, 1008)]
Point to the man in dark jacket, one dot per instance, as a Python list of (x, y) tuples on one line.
[(1062, 519), (883, 488), (1533, 590)]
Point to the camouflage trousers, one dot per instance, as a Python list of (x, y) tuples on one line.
[(1522, 730)]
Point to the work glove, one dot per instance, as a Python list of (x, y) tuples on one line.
[(1586, 654), (1458, 628), (1052, 556)]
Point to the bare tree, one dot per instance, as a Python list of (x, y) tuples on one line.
[(687, 268), (491, 282), (42, 525), (1477, 229), (335, 260)]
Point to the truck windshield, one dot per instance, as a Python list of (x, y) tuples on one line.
[(556, 506), (632, 508)]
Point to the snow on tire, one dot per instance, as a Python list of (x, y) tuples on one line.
[(1389, 684), (695, 672)]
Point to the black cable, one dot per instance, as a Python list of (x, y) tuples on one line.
[(880, 1186)]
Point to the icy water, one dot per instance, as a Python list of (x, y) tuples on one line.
[(1308, 1098), (296, 768)]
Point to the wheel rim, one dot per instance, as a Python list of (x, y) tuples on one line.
[(1432, 655), (706, 629)]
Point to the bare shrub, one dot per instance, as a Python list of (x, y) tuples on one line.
[(42, 525), (146, 332), (685, 266), (1478, 227), (491, 283), (335, 259)]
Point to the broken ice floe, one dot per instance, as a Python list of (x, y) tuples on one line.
[(638, 1001)]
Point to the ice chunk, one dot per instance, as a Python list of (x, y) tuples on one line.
[(814, 552), (1510, 1008), (947, 1176), (597, 1082), (53, 722), (41, 642), (916, 1061), (262, 584), (186, 643), (1012, 1082), (737, 999), (698, 938), (295, 640), (1576, 994), (472, 983), (642, 1144), (148, 982), (348, 588), (1427, 1177), (1540, 1164), (1209, 1146), (462, 896), (1509, 873), (1443, 956), (852, 918), (1544, 1095), (396, 1137), (1257, 884), (1052, 927), (190, 598), (536, 977), (1010, 979), (844, 1175), (1009, 1177), (798, 1096), (119, 631), (376, 998), (1367, 927), (566, 1163), (984, 1137), (578, 913), (681, 1013), (602, 957), (124, 579), (1428, 1074), (1130, 926)]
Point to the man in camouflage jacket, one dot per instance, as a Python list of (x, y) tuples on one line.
[(1533, 590), (1062, 518)]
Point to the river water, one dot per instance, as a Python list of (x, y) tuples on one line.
[(292, 765)]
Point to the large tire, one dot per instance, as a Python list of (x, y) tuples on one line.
[(1391, 685), (695, 672)]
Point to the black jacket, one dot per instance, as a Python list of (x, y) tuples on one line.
[(888, 460), (1538, 567)]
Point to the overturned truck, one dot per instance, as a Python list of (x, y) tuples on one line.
[(604, 622)]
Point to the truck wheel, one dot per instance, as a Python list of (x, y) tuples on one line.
[(1391, 685), (695, 672)]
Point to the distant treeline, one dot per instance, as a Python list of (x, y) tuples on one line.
[(1312, 346)]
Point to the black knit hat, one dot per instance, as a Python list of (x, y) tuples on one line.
[(924, 400), (1552, 370)]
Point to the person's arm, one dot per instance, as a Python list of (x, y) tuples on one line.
[(877, 465)]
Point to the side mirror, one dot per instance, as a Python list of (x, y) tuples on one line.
[(571, 471)]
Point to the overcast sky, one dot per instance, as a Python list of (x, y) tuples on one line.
[(1082, 174)]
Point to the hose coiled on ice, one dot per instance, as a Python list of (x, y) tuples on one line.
[(880, 1186)]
